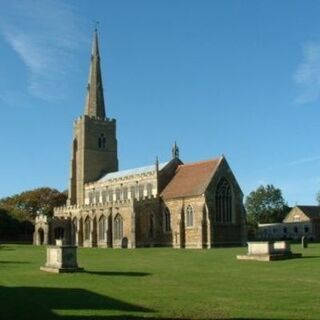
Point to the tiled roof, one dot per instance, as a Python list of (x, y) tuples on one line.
[(310, 211), (130, 172), (191, 179)]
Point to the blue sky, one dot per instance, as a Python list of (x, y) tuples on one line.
[(239, 78)]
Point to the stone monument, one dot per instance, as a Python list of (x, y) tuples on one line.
[(61, 258), (269, 251)]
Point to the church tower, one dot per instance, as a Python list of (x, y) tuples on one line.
[(94, 147)]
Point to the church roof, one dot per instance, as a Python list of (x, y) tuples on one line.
[(191, 179), (131, 172), (310, 211)]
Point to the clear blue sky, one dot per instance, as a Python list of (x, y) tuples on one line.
[(239, 78)]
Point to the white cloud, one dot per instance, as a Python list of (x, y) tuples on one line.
[(307, 75), (304, 160), (45, 34)]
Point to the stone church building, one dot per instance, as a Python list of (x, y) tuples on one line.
[(194, 205)]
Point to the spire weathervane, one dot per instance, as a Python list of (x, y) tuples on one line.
[(96, 24), (175, 151)]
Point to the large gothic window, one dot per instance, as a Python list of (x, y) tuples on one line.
[(223, 202), (87, 228), (166, 220), (102, 228), (118, 227), (189, 216)]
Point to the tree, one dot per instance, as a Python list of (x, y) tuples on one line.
[(14, 229), (27, 204), (17, 212), (266, 205)]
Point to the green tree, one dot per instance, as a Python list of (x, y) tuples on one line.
[(27, 204), (12, 228), (265, 205)]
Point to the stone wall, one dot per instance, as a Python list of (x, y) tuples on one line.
[(184, 236)]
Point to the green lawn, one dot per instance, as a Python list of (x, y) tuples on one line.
[(159, 284)]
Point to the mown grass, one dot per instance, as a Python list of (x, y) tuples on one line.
[(160, 284)]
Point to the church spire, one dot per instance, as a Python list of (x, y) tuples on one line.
[(94, 105)]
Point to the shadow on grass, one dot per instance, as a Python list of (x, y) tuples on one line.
[(14, 262), (130, 317), (3, 247), (43, 303), (117, 273), (39, 303), (309, 257)]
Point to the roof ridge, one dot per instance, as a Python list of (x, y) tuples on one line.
[(200, 162), (130, 171)]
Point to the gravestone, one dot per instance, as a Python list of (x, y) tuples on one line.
[(268, 251), (61, 258), (304, 242)]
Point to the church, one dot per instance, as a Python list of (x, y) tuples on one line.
[(169, 204)]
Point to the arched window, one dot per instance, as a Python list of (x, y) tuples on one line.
[(223, 202), (125, 193), (58, 233), (149, 190), (102, 228), (97, 196), (118, 227), (118, 194), (141, 188), (189, 216), (75, 224), (110, 195), (133, 192), (104, 196), (151, 225), (87, 228), (102, 141), (166, 220), (91, 195)]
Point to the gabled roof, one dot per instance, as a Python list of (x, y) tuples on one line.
[(191, 179), (310, 211), (131, 172)]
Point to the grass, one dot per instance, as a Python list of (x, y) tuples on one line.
[(159, 284)]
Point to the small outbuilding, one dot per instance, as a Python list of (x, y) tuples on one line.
[(301, 221)]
